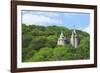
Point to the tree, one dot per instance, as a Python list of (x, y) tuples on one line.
[(44, 54), (26, 39), (39, 43)]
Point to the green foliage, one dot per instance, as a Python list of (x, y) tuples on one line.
[(39, 43), (44, 54), (59, 53)]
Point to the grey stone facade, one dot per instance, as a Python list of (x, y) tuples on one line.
[(62, 39), (73, 40)]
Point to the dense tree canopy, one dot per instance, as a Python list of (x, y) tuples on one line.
[(39, 43)]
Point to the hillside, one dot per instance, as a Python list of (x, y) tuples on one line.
[(39, 43)]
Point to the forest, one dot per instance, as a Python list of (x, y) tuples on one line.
[(39, 43)]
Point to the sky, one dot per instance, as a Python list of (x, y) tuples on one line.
[(71, 20)]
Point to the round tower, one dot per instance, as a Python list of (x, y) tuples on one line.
[(74, 39), (62, 39)]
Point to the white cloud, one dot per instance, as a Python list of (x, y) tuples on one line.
[(45, 13), (87, 29), (52, 14), (66, 14), (40, 20)]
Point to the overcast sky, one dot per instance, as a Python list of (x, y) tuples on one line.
[(81, 21)]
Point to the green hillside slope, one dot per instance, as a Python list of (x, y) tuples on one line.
[(39, 43)]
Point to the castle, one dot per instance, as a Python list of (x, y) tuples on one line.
[(62, 40)]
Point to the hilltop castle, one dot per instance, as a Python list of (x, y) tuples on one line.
[(62, 40), (74, 39)]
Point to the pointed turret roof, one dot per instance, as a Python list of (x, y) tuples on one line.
[(74, 31), (61, 35)]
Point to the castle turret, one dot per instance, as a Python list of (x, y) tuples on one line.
[(74, 39), (62, 39)]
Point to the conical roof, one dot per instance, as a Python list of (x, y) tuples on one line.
[(61, 35), (74, 34)]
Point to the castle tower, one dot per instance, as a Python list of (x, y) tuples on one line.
[(74, 39), (62, 39)]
